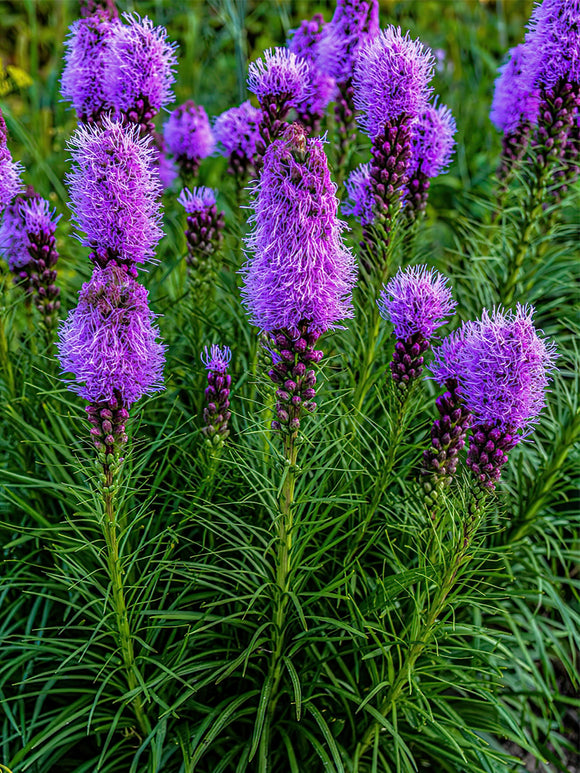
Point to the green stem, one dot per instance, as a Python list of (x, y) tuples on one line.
[(110, 533), (436, 607), (5, 364)]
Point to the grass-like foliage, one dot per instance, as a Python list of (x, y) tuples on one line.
[(254, 572)]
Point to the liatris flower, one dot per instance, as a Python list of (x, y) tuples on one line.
[(165, 166), (14, 246), (139, 73), (391, 85), (321, 87), (106, 8), (204, 231), (360, 198), (354, 24), (553, 62), (299, 280), (39, 225), (84, 81), (449, 431), (280, 81), (114, 193), (188, 137), (238, 131), (217, 412), (503, 371), (108, 342), (417, 302), (432, 145), (514, 108), (10, 171)]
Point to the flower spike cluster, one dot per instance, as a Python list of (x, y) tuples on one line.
[(188, 137), (299, 278), (114, 192), (417, 301), (217, 412), (237, 131), (204, 233), (10, 171)]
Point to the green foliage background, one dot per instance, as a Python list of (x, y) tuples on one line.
[(499, 674)]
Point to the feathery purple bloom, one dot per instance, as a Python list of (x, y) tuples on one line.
[(204, 232), (447, 356), (416, 300), (114, 192), (300, 270), (515, 98), (217, 414), (108, 342), (188, 136), (360, 198), (140, 65), (236, 130), (84, 78), (432, 141), (391, 80), (196, 199), (10, 171), (321, 87), (14, 239), (553, 43), (216, 358), (353, 25), (280, 77)]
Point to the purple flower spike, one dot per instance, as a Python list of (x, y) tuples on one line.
[(106, 8), (417, 301), (140, 71), (280, 81), (391, 80), (238, 132), (360, 198), (14, 241), (353, 25), (554, 42), (432, 143), (300, 270), (108, 342), (84, 77), (217, 412), (304, 42), (10, 182), (204, 233), (114, 192), (188, 137)]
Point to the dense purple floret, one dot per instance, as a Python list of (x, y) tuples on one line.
[(353, 25), (114, 192), (188, 132), (515, 98), (108, 342), (416, 301), (447, 357), (13, 238), (10, 182), (391, 80), (553, 41), (140, 66), (360, 198), (84, 79), (304, 42), (432, 141), (300, 268), (504, 369), (197, 199), (105, 7), (279, 76), (37, 216), (236, 130), (216, 357)]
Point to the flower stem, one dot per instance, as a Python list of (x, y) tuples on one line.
[(111, 534)]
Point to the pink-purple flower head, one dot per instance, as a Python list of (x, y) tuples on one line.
[(10, 171), (237, 130), (108, 342), (447, 356), (504, 367), (360, 198), (304, 42), (300, 270), (188, 133), (37, 216), (354, 24), (216, 358), (416, 300), (280, 77), (140, 65), (515, 97), (432, 141), (197, 199), (391, 80), (553, 43), (114, 190), (13, 238)]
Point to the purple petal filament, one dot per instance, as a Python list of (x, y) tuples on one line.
[(114, 192), (188, 136), (360, 198), (10, 171), (217, 412), (515, 98), (108, 342), (280, 77), (432, 141), (353, 25)]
